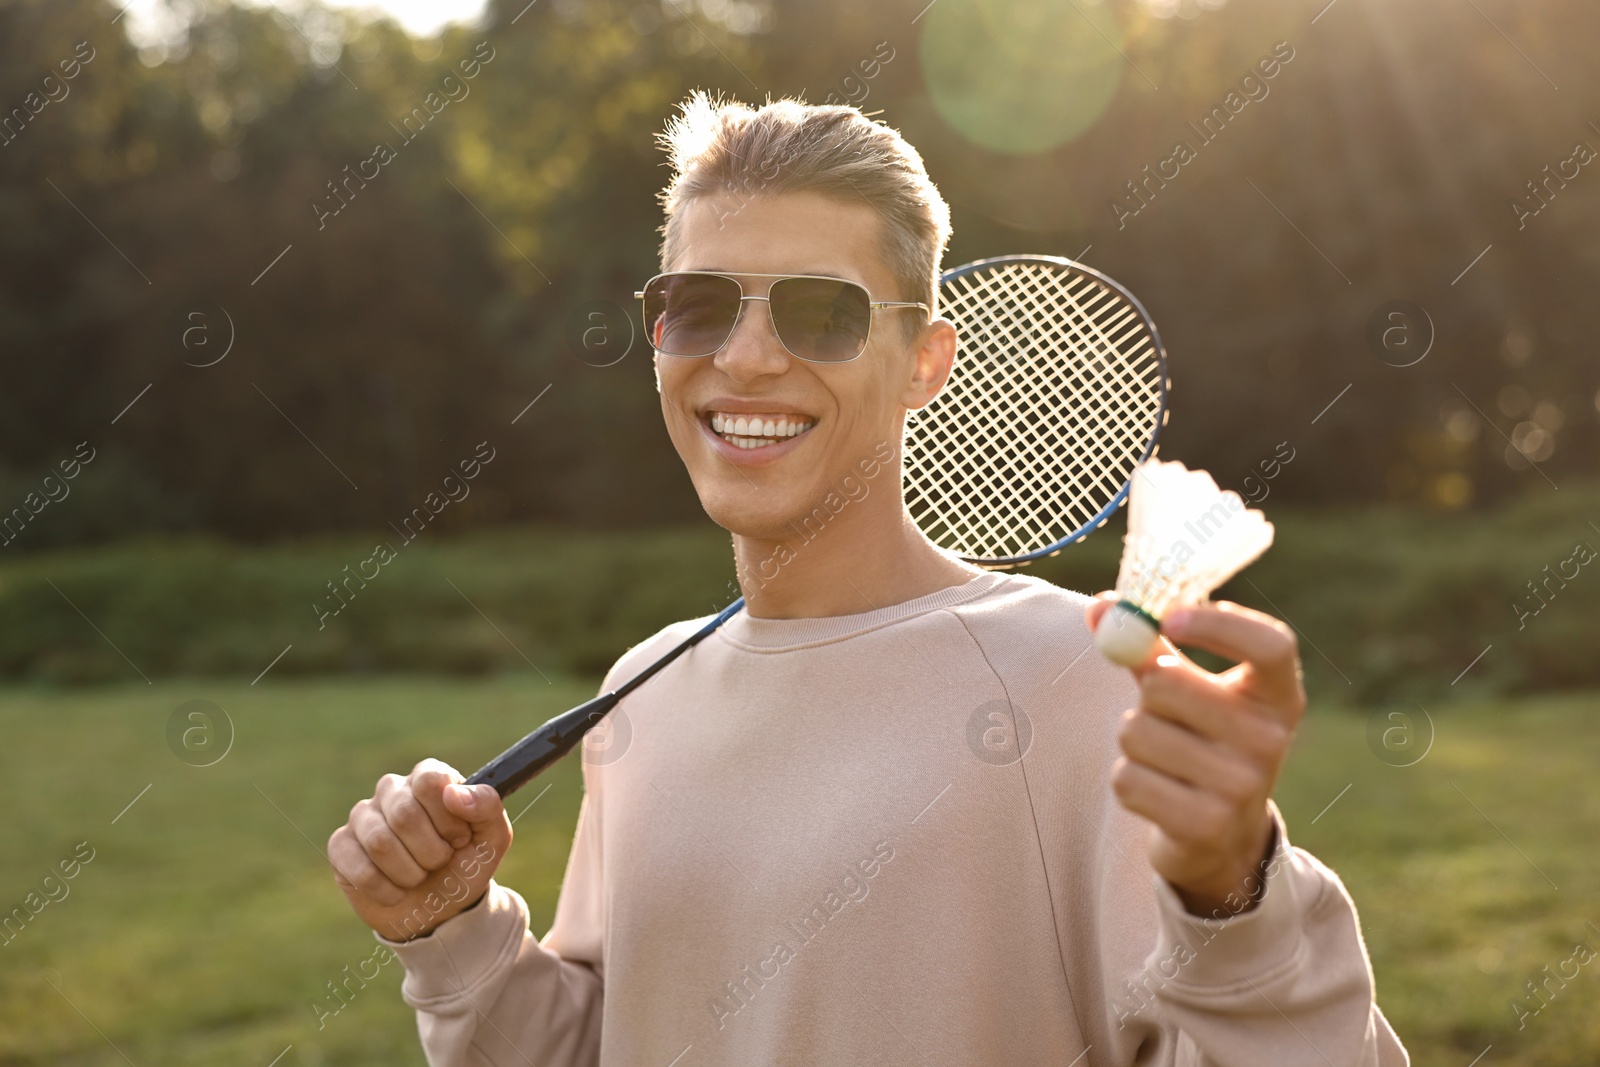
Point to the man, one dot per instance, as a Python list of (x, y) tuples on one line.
[(892, 812)]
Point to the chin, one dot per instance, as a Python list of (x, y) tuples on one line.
[(764, 513), (776, 502)]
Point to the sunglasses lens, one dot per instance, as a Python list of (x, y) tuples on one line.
[(690, 314), (821, 319)]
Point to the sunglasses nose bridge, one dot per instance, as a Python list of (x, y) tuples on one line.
[(734, 352), (772, 323)]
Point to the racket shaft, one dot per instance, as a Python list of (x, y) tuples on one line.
[(517, 765), (514, 767)]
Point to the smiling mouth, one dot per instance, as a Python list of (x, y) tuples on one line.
[(757, 431)]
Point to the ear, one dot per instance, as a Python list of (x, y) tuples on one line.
[(935, 354)]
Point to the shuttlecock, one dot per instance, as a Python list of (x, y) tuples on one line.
[(1185, 538)]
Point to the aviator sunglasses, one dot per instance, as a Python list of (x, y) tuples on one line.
[(817, 319)]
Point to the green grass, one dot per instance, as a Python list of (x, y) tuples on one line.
[(1458, 914), (206, 925)]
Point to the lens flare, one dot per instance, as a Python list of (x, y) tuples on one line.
[(1021, 76)]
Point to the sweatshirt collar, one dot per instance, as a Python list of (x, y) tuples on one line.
[(776, 635)]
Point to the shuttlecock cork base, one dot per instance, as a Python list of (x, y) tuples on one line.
[(1185, 538), (1125, 634)]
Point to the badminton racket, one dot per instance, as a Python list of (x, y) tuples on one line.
[(1058, 394)]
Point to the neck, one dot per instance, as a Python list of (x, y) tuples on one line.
[(868, 555)]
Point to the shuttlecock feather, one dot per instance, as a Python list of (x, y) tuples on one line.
[(1185, 538)]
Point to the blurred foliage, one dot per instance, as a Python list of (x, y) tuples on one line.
[(503, 599), (456, 286), (1390, 604)]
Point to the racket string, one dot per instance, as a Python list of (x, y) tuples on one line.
[(1054, 400)]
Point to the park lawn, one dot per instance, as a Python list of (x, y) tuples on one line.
[(205, 927), (207, 924), (1473, 869)]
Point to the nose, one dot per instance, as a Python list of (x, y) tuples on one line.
[(753, 350)]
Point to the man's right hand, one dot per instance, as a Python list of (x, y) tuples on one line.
[(421, 850)]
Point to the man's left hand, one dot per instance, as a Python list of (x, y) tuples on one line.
[(1201, 753)]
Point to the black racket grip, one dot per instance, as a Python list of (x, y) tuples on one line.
[(510, 770)]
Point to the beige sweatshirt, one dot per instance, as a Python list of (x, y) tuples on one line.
[(812, 842)]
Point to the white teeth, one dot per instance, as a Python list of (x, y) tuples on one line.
[(745, 431)]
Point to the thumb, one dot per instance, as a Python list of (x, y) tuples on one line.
[(1098, 607), (479, 804)]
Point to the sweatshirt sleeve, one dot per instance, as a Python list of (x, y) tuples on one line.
[(1286, 983), (489, 994)]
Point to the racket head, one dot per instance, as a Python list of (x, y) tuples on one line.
[(1059, 392)]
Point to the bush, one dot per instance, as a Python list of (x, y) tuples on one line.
[(1388, 604)]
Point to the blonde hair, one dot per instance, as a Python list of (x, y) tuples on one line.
[(787, 146)]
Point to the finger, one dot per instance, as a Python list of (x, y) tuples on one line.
[(1242, 635), (406, 817), (1184, 813), (428, 780), (354, 871), (1184, 693), (1183, 755), (383, 847), (1239, 633)]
